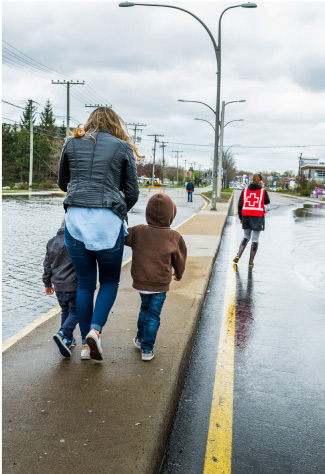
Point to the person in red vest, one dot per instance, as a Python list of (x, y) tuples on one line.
[(251, 212)]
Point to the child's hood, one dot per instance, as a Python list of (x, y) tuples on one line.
[(160, 211)]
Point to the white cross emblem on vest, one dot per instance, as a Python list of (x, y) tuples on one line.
[(252, 200)]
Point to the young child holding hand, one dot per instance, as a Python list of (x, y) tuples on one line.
[(156, 251), (59, 271)]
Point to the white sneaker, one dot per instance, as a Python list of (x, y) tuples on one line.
[(137, 343), (147, 355), (93, 341), (85, 354)]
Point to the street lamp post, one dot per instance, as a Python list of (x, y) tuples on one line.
[(217, 50), (222, 127)]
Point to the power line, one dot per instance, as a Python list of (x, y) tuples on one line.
[(18, 107), (280, 146), (36, 68), (52, 70), (10, 120)]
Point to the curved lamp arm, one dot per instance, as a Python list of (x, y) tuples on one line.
[(131, 4), (197, 102), (238, 120), (207, 122)]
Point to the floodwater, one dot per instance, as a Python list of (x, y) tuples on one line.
[(28, 222)]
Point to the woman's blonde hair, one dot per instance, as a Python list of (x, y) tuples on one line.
[(106, 119), (257, 178)]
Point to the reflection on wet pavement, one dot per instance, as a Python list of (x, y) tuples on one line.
[(244, 310), (310, 211), (308, 245)]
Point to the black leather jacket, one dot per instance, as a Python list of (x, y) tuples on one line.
[(99, 173)]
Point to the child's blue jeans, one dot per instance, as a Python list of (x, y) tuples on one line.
[(69, 319), (149, 319)]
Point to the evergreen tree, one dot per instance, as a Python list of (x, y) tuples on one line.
[(47, 122), (62, 130), (21, 155), (28, 115), (8, 165), (42, 159)]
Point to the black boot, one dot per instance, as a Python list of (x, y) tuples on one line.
[(254, 248), (242, 247)]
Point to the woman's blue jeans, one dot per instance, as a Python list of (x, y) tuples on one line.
[(149, 319), (85, 263)]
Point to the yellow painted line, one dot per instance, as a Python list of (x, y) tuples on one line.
[(219, 442), (235, 206), (205, 205)]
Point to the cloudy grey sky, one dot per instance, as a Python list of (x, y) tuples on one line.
[(141, 60)]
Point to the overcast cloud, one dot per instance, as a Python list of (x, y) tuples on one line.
[(143, 59)]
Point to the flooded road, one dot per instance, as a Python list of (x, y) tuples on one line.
[(277, 398), (28, 222)]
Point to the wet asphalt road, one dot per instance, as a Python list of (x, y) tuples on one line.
[(279, 375)]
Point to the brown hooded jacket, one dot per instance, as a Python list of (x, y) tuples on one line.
[(156, 248)]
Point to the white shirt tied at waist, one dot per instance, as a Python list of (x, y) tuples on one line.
[(97, 228)]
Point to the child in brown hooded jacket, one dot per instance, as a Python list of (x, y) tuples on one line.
[(156, 250)]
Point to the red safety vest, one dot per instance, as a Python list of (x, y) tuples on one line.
[(253, 202)]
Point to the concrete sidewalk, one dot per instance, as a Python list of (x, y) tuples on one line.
[(109, 417)]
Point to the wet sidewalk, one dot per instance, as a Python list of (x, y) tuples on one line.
[(112, 416)]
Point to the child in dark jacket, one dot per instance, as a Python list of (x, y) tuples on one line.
[(156, 251), (60, 276)]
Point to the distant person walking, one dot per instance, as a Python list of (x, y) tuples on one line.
[(190, 190), (156, 251), (98, 171), (251, 213), (60, 276)]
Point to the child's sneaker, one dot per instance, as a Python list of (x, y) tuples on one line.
[(137, 343), (73, 342), (63, 343), (148, 355)]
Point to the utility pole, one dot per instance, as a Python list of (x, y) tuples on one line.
[(95, 106), (163, 146), (31, 143), (185, 172), (177, 151), (194, 163), (68, 84), (154, 155), (299, 164), (135, 128)]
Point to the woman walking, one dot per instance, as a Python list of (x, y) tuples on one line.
[(98, 171), (251, 212)]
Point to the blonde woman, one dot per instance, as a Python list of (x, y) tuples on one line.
[(98, 171), (251, 213)]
